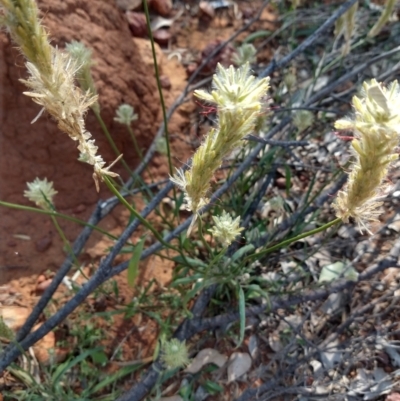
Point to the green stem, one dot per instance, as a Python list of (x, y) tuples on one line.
[(64, 239), (257, 35), (138, 151), (339, 59), (294, 239), (205, 243), (135, 143), (136, 214), (165, 119), (111, 140), (56, 214), (215, 260)]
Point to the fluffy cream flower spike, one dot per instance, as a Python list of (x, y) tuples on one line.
[(51, 80), (376, 127), (237, 96)]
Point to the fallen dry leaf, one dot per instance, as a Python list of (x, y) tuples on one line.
[(239, 364), (204, 357)]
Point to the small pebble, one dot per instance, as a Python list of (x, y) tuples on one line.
[(206, 9), (281, 182), (161, 7), (80, 208), (162, 36), (165, 82), (137, 23), (190, 69), (43, 285)]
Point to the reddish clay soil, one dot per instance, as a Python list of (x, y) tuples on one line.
[(123, 73)]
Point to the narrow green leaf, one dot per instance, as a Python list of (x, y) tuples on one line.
[(192, 262), (242, 251), (186, 280), (212, 387), (116, 376), (133, 267), (190, 294), (254, 290), (64, 367), (257, 35)]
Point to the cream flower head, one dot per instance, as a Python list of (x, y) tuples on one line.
[(41, 192), (175, 353), (125, 114), (226, 228), (238, 97), (235, 89), (376, 127)]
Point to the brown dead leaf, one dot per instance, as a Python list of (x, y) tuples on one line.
[(393, 397)]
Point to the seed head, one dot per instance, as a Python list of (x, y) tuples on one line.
[(175, 354), (376, 127), (41, 192), (236, 89), (290, 80), (303, 119), (246, 53), (125, 114), (161, 145), (226, 229), (238, 99)]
